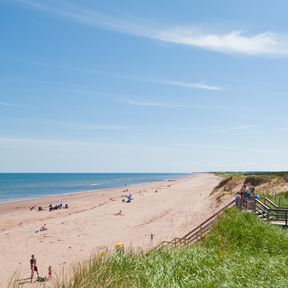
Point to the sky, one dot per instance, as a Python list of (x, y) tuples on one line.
[(143, 86)]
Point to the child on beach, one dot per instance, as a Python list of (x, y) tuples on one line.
[(49, 273), (119, 213), (43, 228)]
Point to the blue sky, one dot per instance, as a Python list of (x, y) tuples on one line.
[(143, 86)]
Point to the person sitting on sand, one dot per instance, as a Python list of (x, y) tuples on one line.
[(119, 213), (33, 267), (43, 228), (129, 198)]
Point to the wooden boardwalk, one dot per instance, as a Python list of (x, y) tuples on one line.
[(266, 210)]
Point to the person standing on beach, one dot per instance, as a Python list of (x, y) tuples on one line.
[(33, 267)]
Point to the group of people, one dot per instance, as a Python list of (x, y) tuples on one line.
[(129, 198), (58, 206), (245, 196), (34, 269)]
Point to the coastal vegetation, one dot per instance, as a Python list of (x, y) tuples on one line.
[(273, 185), (241, 251)]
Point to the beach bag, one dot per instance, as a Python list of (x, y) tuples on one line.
[(40, 279)]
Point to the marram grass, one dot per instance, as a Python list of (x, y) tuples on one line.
[(241, 251)]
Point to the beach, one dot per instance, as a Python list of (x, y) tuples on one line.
[(159, 211)]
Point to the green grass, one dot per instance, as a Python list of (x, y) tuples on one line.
[(241, 251), (280, 199)]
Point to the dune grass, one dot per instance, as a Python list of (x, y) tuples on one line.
[(281, 199), (241, 251)]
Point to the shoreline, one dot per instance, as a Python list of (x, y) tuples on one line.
[(164, 209), (24, 203), (38, 197)]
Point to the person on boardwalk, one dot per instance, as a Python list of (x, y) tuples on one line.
[(238, 201), (33, 267), (242, 194)]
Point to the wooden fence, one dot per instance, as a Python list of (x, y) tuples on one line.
[(201, 230)]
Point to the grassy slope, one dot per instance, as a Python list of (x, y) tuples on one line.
[(242, 251)]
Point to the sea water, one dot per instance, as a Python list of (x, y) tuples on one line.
[(21, 186)]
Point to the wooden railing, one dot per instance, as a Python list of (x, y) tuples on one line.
[(270, 203), (277, 214), (267, 210), (202, 229)]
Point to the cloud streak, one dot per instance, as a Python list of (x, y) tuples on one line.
[(82, 126), (190, 85), (196, 85), (155, 104), (168, 105), (6, 104), (232, 42)]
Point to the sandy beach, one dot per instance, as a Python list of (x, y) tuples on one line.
[(164, 209)]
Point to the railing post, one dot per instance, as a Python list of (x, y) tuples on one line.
[(268, 215)]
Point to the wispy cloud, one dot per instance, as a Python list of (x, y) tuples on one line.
[(265, 43), (80, 126), (190, 85), (197, 85), (237, 42), (239, 128), (7, 104), (94, 126), (172, 105), (155, 104)]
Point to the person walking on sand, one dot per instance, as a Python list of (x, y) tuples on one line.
[(49, 273), (33, 267)]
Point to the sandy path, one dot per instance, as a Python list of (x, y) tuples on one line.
[(90, 224)]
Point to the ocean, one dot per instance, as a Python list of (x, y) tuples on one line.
[(21, 186)]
